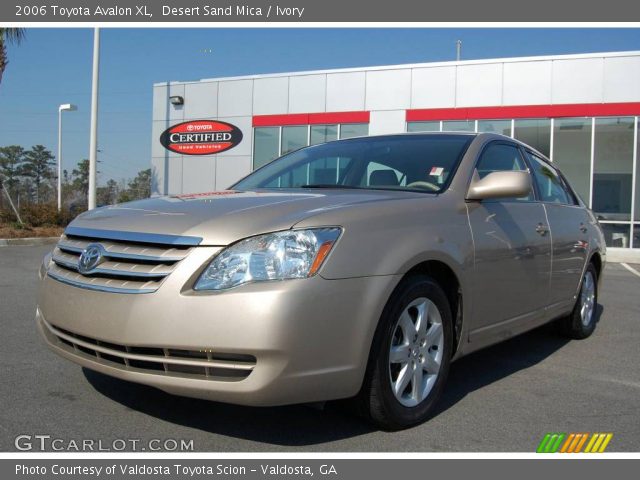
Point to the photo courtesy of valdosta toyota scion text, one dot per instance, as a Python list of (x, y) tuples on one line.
[(411, 240)]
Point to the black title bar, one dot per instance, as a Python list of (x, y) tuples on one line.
[(225, 11)]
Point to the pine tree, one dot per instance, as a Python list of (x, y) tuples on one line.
[(38, 166), (11, 158)]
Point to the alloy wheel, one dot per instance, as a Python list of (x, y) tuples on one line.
[(587, 298), (415, 353)]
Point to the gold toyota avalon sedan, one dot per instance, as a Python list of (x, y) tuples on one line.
[(358, 269)]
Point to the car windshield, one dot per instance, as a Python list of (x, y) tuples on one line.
[(404, 162)]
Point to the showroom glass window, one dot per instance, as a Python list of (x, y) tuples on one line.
[(293, 138), (323, 133), (572, 152), (350, 130), (266, 141), (636, 227), (613, 168), (613, 177), (459, 126), (535, 133), (503, 127), (423, 126)]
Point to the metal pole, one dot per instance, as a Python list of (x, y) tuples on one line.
[(59, 159), (458, 49), (93, 141)]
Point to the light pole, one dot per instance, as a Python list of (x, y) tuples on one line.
[(93, 139), (66, 107)]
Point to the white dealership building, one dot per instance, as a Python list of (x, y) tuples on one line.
[(580, 110)]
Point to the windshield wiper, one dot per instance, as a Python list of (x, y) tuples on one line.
[(327, 185)]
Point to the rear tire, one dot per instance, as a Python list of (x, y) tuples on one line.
[(582, 321), (410, 356)]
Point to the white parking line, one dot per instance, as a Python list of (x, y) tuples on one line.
[(631, 269)]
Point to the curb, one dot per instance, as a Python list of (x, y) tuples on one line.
[(7, 242), (623, 255)]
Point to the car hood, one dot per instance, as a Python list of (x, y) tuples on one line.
[(220, 218)]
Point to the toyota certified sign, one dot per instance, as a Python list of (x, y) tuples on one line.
[(201, 137)]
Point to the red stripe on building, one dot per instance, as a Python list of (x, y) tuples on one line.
[(322, 118), (525, 111)]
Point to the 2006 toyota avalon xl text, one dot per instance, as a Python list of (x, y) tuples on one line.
[(356, 268)]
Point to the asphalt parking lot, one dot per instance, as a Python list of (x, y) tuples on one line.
[(504, 398)]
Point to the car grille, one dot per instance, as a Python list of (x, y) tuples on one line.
[(128, 266), (203, 364)]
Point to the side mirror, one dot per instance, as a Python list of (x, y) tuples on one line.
[(509, 183)]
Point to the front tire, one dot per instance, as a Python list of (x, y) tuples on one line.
[(582, 321), (410, 356)]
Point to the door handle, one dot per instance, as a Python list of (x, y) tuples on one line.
[(583, 228), (542, 229)]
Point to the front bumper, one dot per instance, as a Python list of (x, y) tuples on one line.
[(310, 338)]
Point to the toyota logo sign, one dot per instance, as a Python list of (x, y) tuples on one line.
[(201, 137)]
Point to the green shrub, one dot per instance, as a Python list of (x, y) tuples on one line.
[(38, 215), (6, 216)]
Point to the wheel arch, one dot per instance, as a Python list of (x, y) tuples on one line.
[(442, 273), (596, 259), (441, 268), (448, 280)]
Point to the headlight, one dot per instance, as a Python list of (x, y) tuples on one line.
[(273, 256)]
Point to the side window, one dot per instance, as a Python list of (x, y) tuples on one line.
[(549, 183), (499, 157)]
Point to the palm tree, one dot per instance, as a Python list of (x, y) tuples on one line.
[(8, 35)]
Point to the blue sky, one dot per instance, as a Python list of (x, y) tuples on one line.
[(53, 66)]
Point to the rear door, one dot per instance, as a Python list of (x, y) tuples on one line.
[(568, 223), (512, 254)]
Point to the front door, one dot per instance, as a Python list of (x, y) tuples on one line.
[(512, 255)]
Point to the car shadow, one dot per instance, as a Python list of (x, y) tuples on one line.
[(272, 425), (489, 365), (282, 425)]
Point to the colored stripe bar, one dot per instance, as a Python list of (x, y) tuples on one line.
[(598, 442), (543, 443), (593, 439), (551, 442), (605, 442), (573, 442), (581, 443), (320, 118), (525, 111), (557, 443), (596, 446), (567, 442)]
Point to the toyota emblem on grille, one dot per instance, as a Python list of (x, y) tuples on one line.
[(90, 258)]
